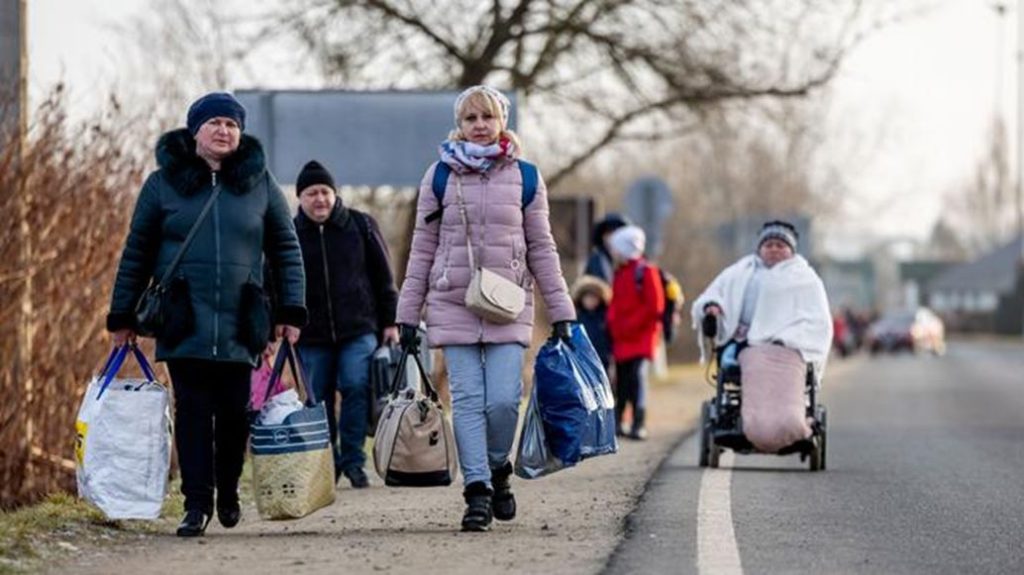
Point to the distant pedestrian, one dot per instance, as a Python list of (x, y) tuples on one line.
[(351, 295), (591, 297), (600, 263), (509, 234), (217, 323), (634, 321)]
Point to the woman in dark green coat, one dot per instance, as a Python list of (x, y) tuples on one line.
[(217, 322)]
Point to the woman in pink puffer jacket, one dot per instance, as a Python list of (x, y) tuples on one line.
[(484, 359)]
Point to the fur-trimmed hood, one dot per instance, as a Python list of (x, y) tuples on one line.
[(591, 284), (187, 173)]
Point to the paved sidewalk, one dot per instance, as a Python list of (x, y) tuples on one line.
[(569, 522)]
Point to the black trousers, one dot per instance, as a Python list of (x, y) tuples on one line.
[(211, 428), (631, 388)]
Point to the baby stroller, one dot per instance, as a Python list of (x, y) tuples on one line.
[(721, 426)]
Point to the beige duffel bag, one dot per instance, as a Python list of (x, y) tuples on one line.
[(414, 445)]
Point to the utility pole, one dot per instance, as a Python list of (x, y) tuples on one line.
[(1020, 157), (13, 128), (13, 68)]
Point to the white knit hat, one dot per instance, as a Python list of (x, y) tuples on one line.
[(627, 243), (496, 95)]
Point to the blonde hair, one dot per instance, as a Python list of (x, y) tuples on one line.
[(484, 101)]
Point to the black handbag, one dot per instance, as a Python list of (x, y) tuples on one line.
[(152, 307)]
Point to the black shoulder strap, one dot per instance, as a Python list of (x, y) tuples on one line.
[(191, 235)]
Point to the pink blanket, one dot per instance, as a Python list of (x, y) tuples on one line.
[(774, 413)]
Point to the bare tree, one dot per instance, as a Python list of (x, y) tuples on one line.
[(610, 70), (176, 50), (982, 210)]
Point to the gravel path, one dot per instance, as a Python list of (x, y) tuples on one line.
[(569, 522)]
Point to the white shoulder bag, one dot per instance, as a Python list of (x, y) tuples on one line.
[(489, 295)]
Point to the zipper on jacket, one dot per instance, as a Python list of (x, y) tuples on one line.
[(483, 235), (327, 283), (216, 243)]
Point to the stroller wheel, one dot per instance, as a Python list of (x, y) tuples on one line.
[(823, 440), (705, 434)]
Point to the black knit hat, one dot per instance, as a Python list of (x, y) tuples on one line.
[(214, 105), (311, 174)]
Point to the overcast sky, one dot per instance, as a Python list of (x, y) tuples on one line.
[(914, 101)]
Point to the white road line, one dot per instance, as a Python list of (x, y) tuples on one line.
[(716, 538)]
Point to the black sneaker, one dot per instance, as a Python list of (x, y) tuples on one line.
[(357, 477), (194, 524)]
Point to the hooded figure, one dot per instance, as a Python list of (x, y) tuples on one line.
[(591, 297), (600, 264)]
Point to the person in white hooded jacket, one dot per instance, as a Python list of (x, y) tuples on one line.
[(770, 297)]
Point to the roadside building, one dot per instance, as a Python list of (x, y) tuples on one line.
[(983, 295)]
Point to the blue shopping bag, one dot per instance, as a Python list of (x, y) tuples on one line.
[(599, 433), (564, 400)]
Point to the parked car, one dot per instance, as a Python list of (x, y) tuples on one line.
[(914, 330)]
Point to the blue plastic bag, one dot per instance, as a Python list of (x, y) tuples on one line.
[(599, 434), (564, 400)]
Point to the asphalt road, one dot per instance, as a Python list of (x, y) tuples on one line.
[(925, 475)]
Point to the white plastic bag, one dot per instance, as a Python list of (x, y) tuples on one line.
[(123, 445), (278, 407)]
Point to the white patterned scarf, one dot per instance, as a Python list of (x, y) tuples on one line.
[(465, 157)]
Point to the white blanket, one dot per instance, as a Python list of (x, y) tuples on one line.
[(792, 308)]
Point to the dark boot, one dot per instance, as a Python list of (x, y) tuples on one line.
[(503, 503), (639, 431), (478, 507), (229, 512), (194, 523)]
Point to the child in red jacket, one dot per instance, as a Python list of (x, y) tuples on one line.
[(634, 321)]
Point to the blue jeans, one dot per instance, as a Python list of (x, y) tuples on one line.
[(486, 385), (344, 368)]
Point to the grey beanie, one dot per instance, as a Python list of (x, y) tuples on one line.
[(778, 230)]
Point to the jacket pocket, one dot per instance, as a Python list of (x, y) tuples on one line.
[(254, 327), (179, 317)]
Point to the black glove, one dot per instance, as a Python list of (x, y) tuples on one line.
[(562, 330), (709, 325), (409, 337)]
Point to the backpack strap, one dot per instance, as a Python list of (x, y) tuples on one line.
[(442, 171), (438, 185), (363, 223), (530, 179), (638, 275)]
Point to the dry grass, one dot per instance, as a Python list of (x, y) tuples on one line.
[(66, 195)]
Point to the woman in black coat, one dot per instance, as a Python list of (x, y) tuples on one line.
[(217, 321)]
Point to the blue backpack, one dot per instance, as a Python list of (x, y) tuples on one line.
[(440, 183)]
